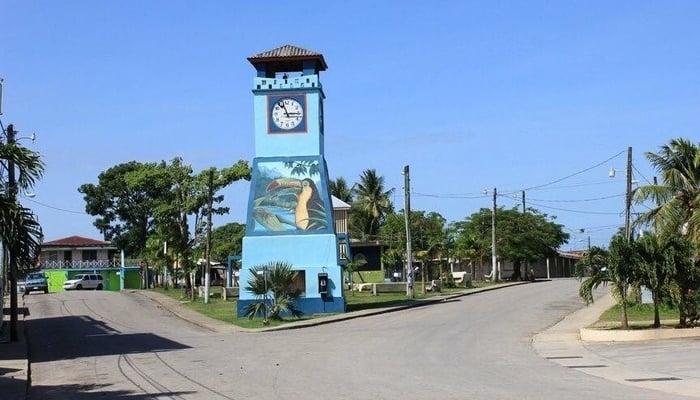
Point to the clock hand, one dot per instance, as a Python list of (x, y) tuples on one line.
[(281, 104)]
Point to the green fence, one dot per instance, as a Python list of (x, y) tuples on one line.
[(132, 277)]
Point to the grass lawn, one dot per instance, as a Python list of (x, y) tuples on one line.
[(225, 310), (218, 308), (638, 316)]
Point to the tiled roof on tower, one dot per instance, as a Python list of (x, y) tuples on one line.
[(290, 52)]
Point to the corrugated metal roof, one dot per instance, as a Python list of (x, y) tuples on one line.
[(339, 204)]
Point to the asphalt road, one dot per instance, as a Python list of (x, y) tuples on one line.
[(89, 345)]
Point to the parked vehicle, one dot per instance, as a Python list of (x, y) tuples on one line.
[(36, 282), (84, 281)]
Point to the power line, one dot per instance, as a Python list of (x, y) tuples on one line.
[(642, 175), (451, 196), (56, 208), (575, 173), (581, 200), (576, 211)]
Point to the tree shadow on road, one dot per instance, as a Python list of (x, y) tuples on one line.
[(90, 392), (88, 338)]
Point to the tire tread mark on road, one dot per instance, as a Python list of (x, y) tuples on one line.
[(190, 379), (106, 319), (123, 358)]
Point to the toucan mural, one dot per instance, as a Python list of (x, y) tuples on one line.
[(289, 195)]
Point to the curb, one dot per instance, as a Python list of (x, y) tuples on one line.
[(631, 335), (222, 327)]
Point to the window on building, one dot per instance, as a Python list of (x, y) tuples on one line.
[(299, 283), (89, 255)]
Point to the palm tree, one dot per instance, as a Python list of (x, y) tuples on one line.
[(622, 259), (592, 261), (677, 198), (617, 271), (372, 202), (595, 263), (677, 209), (686, 278), (657, 266), (20, 231), (277, 277), (340, 189)]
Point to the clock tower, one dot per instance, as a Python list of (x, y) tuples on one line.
[(290, 214)]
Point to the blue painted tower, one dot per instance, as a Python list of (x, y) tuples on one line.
[(290, 214)]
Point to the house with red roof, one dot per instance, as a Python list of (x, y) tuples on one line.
[(78, 252)]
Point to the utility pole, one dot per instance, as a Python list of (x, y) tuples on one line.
[(1, 82), (525, 262), (494, 266), (210, 200), (658, 203), (628, 196), (407, 214), (12, 193)]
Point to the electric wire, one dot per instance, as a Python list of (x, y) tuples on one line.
[(575, 173), (56, 208)]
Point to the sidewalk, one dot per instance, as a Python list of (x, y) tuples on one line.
[(562, 344), (14, 364)]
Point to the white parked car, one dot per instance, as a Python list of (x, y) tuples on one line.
[(84, 281)]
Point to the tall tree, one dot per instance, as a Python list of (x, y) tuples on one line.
[(427, 237), (469, 247), (227, 240), (473, 241), (591, 262), (20, 231), (341, 190), (526, 237), (187, 199), (679, 251), (657, 266), (372, 203), (124, 209), (677, 197), (619, 270), (134, 201), (520, 236), (622, 261)]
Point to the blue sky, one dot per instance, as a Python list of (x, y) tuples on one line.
[(472, 95)]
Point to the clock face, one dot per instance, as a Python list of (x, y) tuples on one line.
[(287, 113)]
